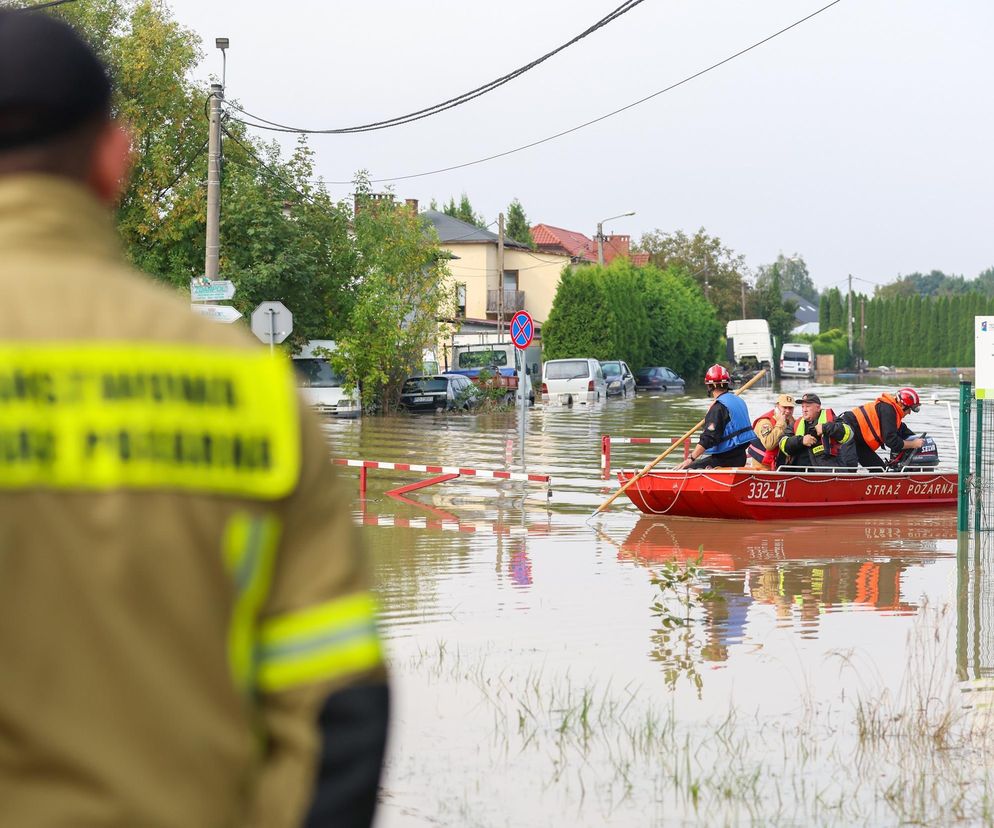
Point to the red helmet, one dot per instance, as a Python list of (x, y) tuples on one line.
[(908, 397), (717, 375)]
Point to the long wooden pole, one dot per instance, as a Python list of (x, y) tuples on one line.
[(646, 469)]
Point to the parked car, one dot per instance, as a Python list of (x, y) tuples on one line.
[(658, 378), (568, 381), (797, 359), (320, 385), (436, 392), (619, 378)]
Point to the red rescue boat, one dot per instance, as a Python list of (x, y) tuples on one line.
[(751, 494)]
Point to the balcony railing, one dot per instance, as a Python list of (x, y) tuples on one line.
[(514, 300)]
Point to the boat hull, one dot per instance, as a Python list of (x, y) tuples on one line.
[(749, 494)]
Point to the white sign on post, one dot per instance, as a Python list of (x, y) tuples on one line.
[(203, 290), (983, 356), (219, 313), (272, 322)]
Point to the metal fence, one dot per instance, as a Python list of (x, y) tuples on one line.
[(976, 461)]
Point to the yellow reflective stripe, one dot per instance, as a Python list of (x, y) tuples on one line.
[(249, 549), (320, 643), (107, 415)]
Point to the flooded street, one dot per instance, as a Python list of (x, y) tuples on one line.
[(550, 671)]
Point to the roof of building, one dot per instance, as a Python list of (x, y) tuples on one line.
[(806, 311), (575, 244), (455, 231)]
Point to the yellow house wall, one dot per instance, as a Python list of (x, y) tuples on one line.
[(476, 267)]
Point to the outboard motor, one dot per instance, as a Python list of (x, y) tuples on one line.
[(927, 457)]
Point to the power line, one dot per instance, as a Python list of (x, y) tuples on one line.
[(611, 114), (451, 103)]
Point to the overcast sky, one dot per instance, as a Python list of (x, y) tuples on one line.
[(861, 140)]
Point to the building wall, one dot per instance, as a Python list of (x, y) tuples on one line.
[(476, 267)]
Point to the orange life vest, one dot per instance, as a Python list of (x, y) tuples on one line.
[(869, 421), (764, 456)]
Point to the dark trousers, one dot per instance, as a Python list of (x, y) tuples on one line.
[(858, 451), (732, 458)]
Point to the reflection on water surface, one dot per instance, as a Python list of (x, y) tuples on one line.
[(533, 677)]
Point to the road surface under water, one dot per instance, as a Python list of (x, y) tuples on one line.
[(544, 676)]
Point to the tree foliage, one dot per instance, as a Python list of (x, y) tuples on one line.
[(401, 294), (779, 314), (923, 331), (793, 274), (517, 226), (645, 316), (464, 211), (716, 268), (372, 281)]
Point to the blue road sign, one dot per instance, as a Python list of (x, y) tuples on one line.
[(522, 330)]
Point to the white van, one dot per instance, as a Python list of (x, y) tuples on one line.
[(320, 385), (568, 381), (797, 359)]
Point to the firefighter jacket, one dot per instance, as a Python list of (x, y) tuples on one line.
[(823, 453), (765, 447), (181, 588), (868, 423)]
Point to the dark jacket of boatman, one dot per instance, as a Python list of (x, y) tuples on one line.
[(726, 433), (817, 438)]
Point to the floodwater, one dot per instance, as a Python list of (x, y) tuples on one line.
[(543, 675)]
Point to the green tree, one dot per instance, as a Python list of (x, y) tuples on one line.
[(777, 313), (464, 211), (793, 276), (717, 269), (403, 290), (517, 226)]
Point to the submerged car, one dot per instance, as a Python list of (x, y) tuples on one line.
[(569, 381), (439, 392), (658, 378), (619, 378)]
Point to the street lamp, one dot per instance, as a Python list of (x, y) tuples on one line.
[(222, 44), (600, 234)]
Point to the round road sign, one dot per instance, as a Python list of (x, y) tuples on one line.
[(522, 330)]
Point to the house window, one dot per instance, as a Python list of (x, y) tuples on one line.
[(461, 299)]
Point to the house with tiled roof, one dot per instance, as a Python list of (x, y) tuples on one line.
[(582, 249), (531, 277)]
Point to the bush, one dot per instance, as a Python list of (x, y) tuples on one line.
[(645, 316)]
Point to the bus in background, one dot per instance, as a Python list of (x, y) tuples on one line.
[(797, 359)]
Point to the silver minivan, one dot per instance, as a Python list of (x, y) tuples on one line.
[(569, 381), (797, 359)]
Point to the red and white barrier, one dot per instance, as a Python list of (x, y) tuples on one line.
[(446, 472), (607, 439)]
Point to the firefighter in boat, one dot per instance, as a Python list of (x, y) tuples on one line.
[(770, 428), (881, 423), (727, 427), (818, 436)]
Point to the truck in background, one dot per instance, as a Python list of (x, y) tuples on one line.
[(474, 353), (320, 385), (749, 345)]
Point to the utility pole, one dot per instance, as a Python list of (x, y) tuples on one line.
[(500, 277), (849, 312), (213, 248), (862, 330), (600, 243)]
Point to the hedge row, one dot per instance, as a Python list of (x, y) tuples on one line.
[(645, 316)]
